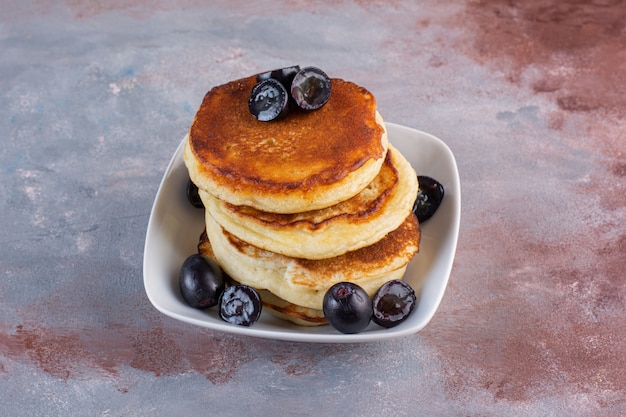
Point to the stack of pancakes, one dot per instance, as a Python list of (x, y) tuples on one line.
[(296, 205)]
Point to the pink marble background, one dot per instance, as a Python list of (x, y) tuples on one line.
[(529, 95)]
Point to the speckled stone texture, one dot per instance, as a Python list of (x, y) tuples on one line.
[(529, 95)]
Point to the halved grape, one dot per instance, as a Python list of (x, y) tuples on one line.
[(240, 304), (268, 100), (193, 196), (282, 75), (429, 198), (311, 88), (392, 303)]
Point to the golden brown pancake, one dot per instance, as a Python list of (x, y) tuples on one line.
[(305, 161), (349, 225), (274, 305), (285, 310), (304, 282)]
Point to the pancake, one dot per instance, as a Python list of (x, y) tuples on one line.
[(349, 225), (276, 306), (304, 282), (305, 161), (285, 310)]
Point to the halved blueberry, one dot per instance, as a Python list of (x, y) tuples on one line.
[(240, 304), (193, 196), (428, 199), (282, 75), (393, 302), (311, 88), (268, 100)]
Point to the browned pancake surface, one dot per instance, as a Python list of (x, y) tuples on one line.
[(300, 151), (393, 251), (359, 209), (399, 245)]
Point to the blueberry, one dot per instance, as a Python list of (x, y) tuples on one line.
[(310, 88), (268, 100), (393, 302), (240, 304), (428, 199), (347, 307), (193, 196), (201, 281), (282, 75)]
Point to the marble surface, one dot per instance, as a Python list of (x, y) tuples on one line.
[(529, 95)]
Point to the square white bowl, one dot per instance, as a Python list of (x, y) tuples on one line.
[(175, 226)]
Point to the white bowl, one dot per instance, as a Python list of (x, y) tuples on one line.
[(175, 226)]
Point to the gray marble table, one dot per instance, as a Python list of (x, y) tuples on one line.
[(96, 96)]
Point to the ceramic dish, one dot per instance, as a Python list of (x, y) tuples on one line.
[(175, 225)]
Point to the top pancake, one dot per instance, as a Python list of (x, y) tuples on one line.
[(304, 161)]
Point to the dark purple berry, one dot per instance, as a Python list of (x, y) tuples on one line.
[(428, 199), (310, 88), (240, 304), (193, 196), (282, 75), (268, 100), (201, 281), (393, 302), (347, 307)]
